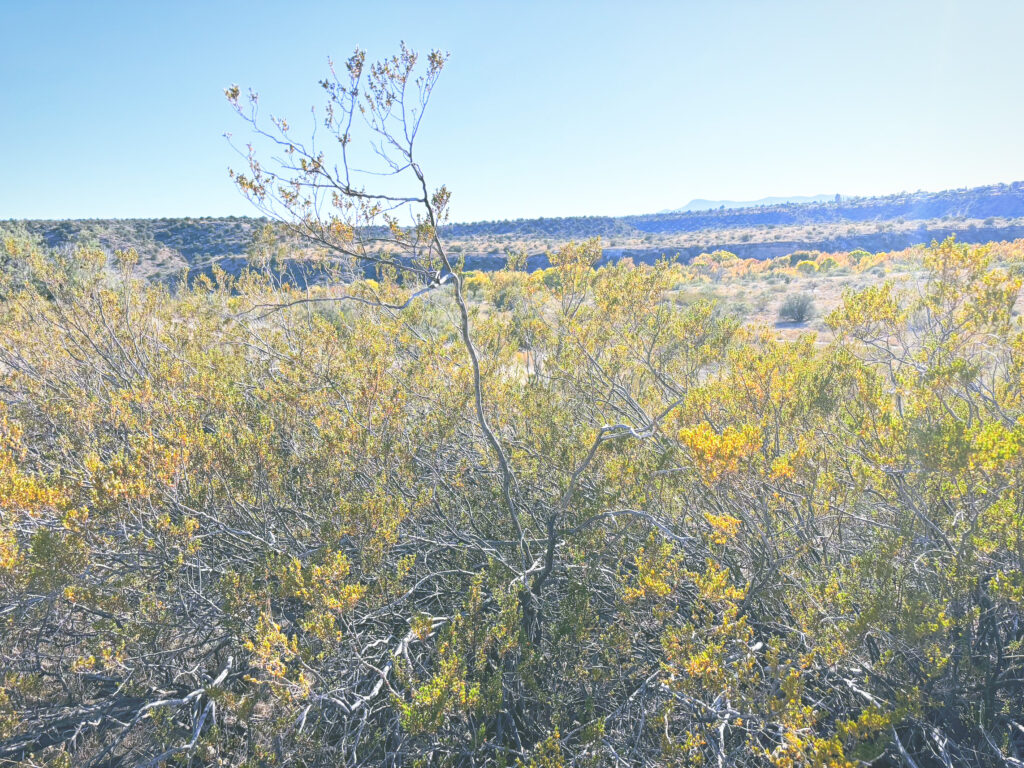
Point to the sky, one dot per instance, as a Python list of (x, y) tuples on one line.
[(556, 108)]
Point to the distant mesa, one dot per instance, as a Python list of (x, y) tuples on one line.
[(710, 205), (755, 229)]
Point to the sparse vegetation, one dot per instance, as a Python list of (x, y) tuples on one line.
[(269, 498), (166, 247), (567, 513)]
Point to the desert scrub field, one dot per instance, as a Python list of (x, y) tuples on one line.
[(242, 524)]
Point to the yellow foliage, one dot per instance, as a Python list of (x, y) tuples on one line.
[(719, 452)]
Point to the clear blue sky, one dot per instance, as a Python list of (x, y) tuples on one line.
[(116, 109)]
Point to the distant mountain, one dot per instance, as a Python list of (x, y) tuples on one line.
[(710, 205), (995, 200)]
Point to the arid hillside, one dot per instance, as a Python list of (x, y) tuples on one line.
[(168, 247)]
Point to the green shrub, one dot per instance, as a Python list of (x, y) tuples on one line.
[(797, 308)]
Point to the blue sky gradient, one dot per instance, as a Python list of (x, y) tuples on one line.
[(116, 109)]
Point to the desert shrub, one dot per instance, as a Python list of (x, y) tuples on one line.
[(289, 518), (797, 308), (476, 283), (737, 308), (721, 257), (506, 289), (252, 526), (551, 277), (807, 267)]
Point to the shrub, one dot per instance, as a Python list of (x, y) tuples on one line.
[(476, 283), (807, 267), (551, 278), (797, 308), (721, 257)]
